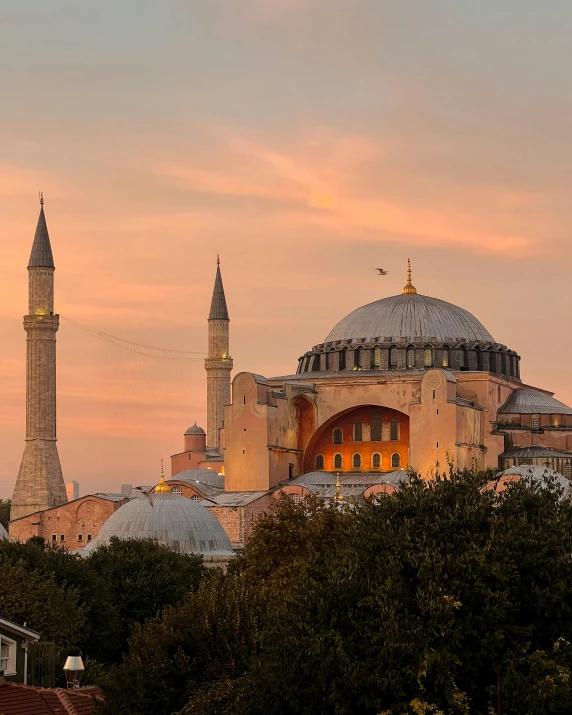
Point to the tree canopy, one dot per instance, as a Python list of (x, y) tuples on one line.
[(422, 602)]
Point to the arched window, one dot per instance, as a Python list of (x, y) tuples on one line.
[(410, 357), (394, 430), (338, 461), (177, 490), (316, 363), (479, 359), (376, 461), (395, 461), (445, 360), (428, 357), (319, 461), (358, 358), (357, 461), (377, 357), (393, 357), (338, 436), (195, 497), (342, 363), (329, 361), (358, 431), (462, 358), (296, 498)]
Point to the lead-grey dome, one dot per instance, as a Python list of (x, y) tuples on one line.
[(170, 520), (410, 316), (195, 429), (532, 402)]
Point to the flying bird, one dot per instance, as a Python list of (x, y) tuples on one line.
[(381, 271)]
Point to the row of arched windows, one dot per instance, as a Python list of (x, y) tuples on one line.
[(398, 358), (375, 431), (357, 461)]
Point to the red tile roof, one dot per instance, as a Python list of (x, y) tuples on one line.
[(16, 699)]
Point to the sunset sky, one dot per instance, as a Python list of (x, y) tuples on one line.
[(307, 142)]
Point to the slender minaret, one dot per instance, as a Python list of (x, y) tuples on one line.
[(218, 364), (40, 483)]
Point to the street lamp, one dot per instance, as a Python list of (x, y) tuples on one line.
[(73, 669)]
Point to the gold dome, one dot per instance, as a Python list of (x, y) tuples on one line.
[(409, 289)]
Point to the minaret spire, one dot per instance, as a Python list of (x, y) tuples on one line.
[(40, 483), (409, 289), (219, 363)]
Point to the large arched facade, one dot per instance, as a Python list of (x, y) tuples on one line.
[(364, 438)]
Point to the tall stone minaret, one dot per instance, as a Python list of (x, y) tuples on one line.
[(218, 364), (40, 482)]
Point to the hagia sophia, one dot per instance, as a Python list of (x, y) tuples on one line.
[(405, 382)]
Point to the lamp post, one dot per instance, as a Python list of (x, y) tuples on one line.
[(73, 669)]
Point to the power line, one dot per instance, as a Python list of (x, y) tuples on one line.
[(139, 348)]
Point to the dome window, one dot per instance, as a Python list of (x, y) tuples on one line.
[(342, 363), (319, 461), (376, 461), (338, 461), (393, 360), (534, 423), (395, 461), (377, 357), (411, 358), (295, 498), (338, 436), (177, 490), (356, 461), (445, 360), (358, 431), (428, 357)]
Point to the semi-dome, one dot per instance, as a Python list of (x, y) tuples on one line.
[(171, 520), (410, 317)]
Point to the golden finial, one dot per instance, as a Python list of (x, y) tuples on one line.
[(41, 195), (162, 487), (339, 495), (409, 289)]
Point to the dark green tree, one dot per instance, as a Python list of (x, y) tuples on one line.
[(143, 577)]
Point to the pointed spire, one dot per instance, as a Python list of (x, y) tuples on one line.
[(162, 487), (41, 255), (409, 289), (219, 311)]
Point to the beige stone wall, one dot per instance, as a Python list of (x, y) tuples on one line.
[(40, 291)]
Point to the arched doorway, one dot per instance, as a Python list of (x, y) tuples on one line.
[(362, 439)]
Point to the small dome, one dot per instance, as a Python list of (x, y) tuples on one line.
[(204, 476), (410, 316), (3, 533), (195, 429), (170, 520)]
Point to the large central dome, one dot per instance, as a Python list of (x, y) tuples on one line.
[(410, 316)]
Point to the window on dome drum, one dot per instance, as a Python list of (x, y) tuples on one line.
[(329, 361), (338, 461), (376, 461), (376, 428), (342, 363), (177, 490), (393, 357), (411, 358), (534, 423), (462, 358), (567, 469), (195, 497), (316, 363), (338, 436), (377, 357), (358, 357), (445, 361), (395, 461), (357, 461), (296, 498), (319, 461), (394, 430), (358, 431), (428, 357)]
